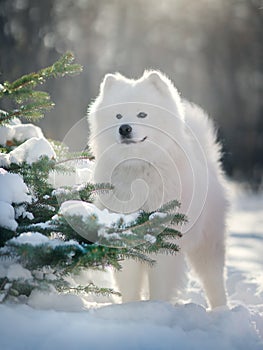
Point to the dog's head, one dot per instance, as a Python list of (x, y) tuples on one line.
[(135, 116)]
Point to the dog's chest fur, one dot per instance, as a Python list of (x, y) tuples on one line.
[(140, 185)]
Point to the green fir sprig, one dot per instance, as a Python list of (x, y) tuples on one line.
[(33, 103)]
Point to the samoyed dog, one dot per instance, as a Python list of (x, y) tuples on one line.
[(154, 147)]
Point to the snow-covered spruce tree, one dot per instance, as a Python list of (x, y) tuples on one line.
[(47, 233)]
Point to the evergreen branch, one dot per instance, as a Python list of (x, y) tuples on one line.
[(75, 158), (137, 255), (158, 247), (60, 68), (93, 189), (151, 225), (90, 288), (77, 192), (170, 232), (26, 94), (169, 248), (22, 89), (169, 206), (5, 236), (30, 111), (3, 283)]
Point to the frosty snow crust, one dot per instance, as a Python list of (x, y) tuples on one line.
[(13, 190)]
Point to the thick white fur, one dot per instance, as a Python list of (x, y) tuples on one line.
[(180, 159)]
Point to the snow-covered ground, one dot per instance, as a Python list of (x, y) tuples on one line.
[(71, 322)]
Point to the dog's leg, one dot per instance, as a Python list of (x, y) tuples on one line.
[(167, 277), (208, 262), (130, 279)]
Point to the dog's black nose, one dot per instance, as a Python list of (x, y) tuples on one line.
[(125, 130)]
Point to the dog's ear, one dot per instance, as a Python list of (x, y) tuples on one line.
[(107, 82), (157, 79)]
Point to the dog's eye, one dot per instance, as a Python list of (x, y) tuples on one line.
[(142, 115), (118, 116)]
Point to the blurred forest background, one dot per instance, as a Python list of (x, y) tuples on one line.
[(211, 49)]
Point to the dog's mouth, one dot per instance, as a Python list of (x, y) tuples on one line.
[(128, 141)]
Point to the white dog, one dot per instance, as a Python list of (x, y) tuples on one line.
[(155, 147)]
